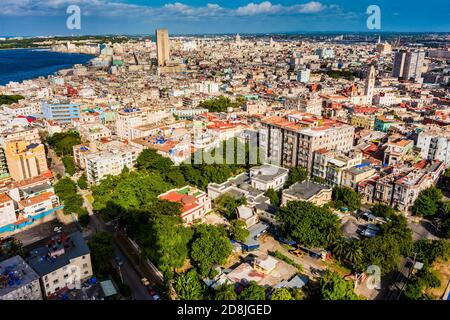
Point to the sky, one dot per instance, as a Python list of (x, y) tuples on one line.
[(48, 17)]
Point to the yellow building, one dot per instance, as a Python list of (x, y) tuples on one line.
[(363, 121), (25, 160)]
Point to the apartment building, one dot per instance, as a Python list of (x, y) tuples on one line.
[(65, 262), (434, 144), (309, 103), (60, 112), (351, 177), (195, 203), (25, 160), (397, 150), (127, 119), (363, 121), (18, 281), (94, 131), (289, 145), (109, 161), (7, 210), (401, 188), (330, 165)]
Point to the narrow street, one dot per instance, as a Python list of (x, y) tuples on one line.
[(129, 274)]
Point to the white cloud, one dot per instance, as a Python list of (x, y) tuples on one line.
[(172, 10), (259, 8)]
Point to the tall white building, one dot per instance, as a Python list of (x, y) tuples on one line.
[(303, 75), (434, 144), (370, 85)]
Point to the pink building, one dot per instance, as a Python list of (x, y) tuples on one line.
[(195, 203)]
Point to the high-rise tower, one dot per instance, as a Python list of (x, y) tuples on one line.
[(370, 85), (163, 47)]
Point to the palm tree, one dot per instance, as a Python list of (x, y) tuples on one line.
[(339, 248), (188, 286), (353, 252)]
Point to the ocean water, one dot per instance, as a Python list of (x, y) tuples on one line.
[(24, 64)]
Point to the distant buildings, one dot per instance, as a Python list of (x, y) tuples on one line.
[(370, 85), (408, 65)]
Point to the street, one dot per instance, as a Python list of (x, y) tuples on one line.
[(130, 277)]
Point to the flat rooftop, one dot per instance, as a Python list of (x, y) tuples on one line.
[(305, 190), (15, 273)]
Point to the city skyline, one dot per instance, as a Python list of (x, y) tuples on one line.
[(47, 18)]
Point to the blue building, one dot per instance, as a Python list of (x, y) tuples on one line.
[(63, 113)]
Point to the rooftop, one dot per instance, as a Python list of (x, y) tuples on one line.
[(305, 190), (15, 273), (58, 253)]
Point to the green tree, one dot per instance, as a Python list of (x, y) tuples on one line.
[(12, 248), (334, 287), (225, 292), (69, 165), (10, 99), (210, 246), (383, 210), (273, 196), (281, 294), (428, 202), (189, 286), (238, 230), (253, 291), (63, 142), (296, 174), (309, 224), (227, 205), (82, 182), (102, 252), (151, 160), (346, 197), (66, 190), (165, 241)]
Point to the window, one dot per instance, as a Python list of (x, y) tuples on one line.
[(55, 281), (85, 265)]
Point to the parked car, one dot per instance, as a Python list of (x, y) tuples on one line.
[(296, 252), (119, 261), (145, 282)]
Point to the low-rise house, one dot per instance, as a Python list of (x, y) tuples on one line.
[(316, 193), (195, 203), (246, 214)]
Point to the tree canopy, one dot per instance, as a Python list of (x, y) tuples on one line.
[(69, 165), (210, 246), (225, 292), (296, 174), (346, 197), (10, 99), (189, 286), (253, 291), (67, 190), (334, 287), (226, 205), (281, 294), (428, 202), (309, 224), (221, 104), (102, 252), (273, 196), (238, 230), (63, 142)]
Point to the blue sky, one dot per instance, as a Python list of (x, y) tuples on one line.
[(48, 17)]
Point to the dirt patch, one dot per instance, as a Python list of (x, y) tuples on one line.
[(442, 268)]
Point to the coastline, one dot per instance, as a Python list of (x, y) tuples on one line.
[(47, 70)]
